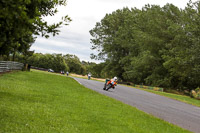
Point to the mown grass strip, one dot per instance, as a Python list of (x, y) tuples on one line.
[(182, 98), (39, 102)]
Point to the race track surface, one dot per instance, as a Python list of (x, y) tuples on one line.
[(179, 113)]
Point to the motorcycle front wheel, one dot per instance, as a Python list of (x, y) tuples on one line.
[(108, 87)]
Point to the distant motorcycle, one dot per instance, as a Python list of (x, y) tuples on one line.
[(109, 84)]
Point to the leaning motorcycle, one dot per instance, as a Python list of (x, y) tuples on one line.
[(109, 84)]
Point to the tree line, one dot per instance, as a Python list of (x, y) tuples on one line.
[(157, 46), (57, 62)]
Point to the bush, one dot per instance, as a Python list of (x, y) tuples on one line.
[(195, 93)]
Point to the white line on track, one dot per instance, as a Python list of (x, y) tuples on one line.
[(76, 80)]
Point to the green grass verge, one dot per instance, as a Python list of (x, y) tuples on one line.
[(38, 102), (182, 98)]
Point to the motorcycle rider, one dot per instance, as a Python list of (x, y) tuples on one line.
[(114, 80), (89, 76)]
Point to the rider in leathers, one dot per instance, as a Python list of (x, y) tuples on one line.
[(114, 79)]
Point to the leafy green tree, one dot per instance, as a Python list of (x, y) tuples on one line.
[(182, 58), (96, 69), (22, 18), (156, 46), (74, 64), (114, 39), (47, 61)]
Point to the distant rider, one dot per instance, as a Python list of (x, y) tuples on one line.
[(89, 76), (67, 73)]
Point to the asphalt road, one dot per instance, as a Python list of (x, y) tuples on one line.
[(184, 115)]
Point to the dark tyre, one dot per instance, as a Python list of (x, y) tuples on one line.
[(108, 87), (104, 88)]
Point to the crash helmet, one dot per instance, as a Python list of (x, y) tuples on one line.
[(115, 78)]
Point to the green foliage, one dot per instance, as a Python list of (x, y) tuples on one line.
[(195, 93), (48, 61), (21, 19), (57, 62), (96, 69), (74, 63), (156, 46)]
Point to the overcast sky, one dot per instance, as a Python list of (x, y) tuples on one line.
[(75, 38)]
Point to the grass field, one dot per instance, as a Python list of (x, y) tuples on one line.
[(38, 102)]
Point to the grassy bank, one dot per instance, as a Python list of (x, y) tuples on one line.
[(40, 102)]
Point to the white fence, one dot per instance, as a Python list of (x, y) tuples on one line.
[(6, 66)]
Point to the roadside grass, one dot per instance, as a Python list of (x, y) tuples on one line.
[(40, 102), (182, 98)]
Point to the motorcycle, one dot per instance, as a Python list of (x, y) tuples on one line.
[(109, 84)]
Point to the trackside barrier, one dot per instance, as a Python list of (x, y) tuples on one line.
[(6, 66), (149, 87)]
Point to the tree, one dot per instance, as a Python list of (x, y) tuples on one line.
[(47, 61), (113, 38), (156, 46), (182, 59), (74, 64), (22, 18), (96, 69)]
